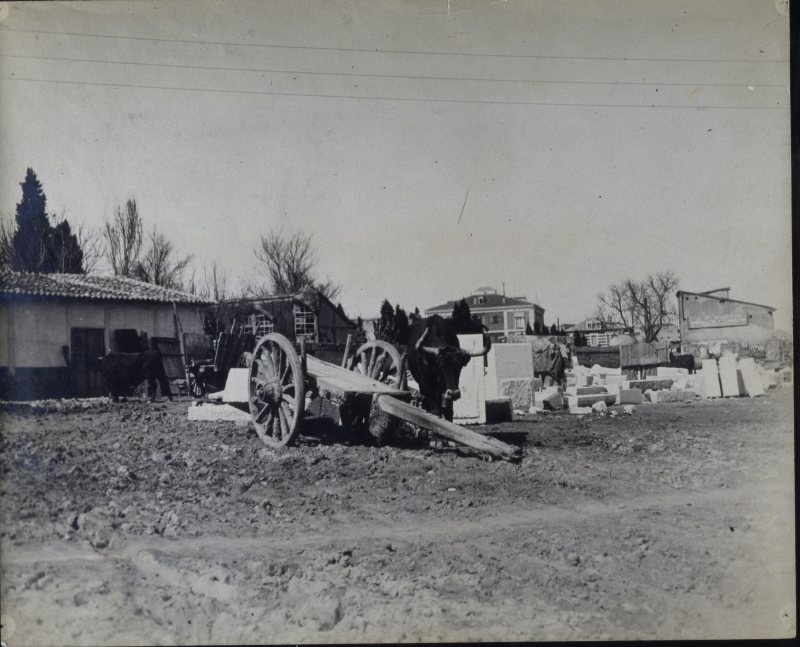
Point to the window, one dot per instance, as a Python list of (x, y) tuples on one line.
[(258, 325), (497, 319), (519, 321), (305, 323)]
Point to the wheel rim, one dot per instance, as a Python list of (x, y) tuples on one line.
[(277, 393), (378, 360)]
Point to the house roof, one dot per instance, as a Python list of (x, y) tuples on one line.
[(306, 297), (490, 301), (88, 286)]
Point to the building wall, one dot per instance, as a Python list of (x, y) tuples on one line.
[(705, 319), (34, 332)]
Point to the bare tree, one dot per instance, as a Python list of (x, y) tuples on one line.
[(214, 287), (6, 242), (645, 306), (159, 264), (123, 239), (289, 260), (91, 242)]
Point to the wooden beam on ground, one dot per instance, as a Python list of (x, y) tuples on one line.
[(446, 429)]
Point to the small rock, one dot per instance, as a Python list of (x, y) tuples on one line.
[(100, 539), (573, 559), (599, 407)]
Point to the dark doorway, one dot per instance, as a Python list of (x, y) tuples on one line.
[(87, 348)]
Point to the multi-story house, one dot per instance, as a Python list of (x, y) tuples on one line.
[(503, 316)]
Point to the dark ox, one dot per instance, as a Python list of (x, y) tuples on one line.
[(435, 360), (682, 361), (123, 371)]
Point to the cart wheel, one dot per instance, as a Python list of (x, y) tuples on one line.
[(196, 388), (277, 390), (378, 360)]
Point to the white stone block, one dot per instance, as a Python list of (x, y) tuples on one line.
[(711, 379), (630, 396), (519, 389), (218, 412), (752, 381), (728, 377), (237, 386), (599, 407), (580, 411), (471, 407)]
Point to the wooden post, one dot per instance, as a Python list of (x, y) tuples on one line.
[(346, 350), (182, 347), (446, 429)]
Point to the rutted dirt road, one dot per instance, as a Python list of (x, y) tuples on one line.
[(129, 524)]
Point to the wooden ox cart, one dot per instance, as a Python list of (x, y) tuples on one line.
[(373, 394)]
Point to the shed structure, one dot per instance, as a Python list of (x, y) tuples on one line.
[(54, 328), (308, 315), (713, 317)]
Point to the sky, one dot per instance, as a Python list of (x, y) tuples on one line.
[(431, 147)]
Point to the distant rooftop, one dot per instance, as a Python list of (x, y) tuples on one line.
[(485, 297), (88, 286)]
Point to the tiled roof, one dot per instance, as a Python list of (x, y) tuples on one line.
[(85, 286), (489, 301)]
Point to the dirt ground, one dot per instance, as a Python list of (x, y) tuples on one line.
[(129, 524)]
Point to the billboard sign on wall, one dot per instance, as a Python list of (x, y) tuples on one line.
[(719, 320)]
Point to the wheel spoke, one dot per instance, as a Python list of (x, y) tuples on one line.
[(269, 362), (289, 399), (287, 412), (270, 423), (260, 415), (284, 422)]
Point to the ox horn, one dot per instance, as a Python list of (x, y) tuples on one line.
[(418, 346)]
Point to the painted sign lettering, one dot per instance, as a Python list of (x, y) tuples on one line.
[(719, 321)]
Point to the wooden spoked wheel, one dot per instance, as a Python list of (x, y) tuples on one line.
[(277, 390), (378, 360)]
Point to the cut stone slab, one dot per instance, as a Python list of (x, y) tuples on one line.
[(630, 396), (616, 380), (752, 381), (585, 390), (728, 376), (585, 380), (519, 389), (549, 400), (599, 407), (218, 412), (589, 400), (656, 384), (657, 397), (499, 410), (671, 371), (711, 379), (580, 411), (236, 387)]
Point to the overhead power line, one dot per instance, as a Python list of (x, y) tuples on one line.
[(384, 51), (385, 98), (381, 76)]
